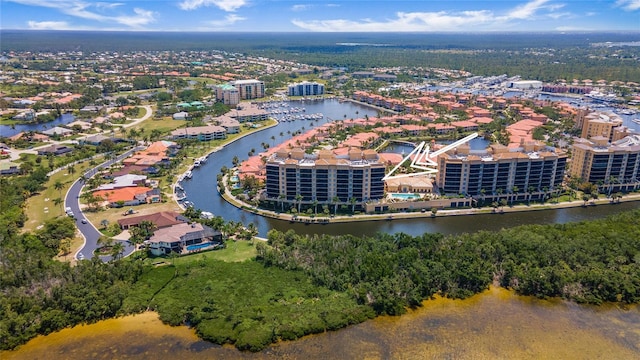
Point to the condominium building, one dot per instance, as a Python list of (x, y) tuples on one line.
[(602, 124), (600, 162), (306, 88), (200, 133), (533, 168), (325, 177), (227, 94), (249, 89)]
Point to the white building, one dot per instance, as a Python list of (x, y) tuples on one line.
[(526, 85), (306, 88)]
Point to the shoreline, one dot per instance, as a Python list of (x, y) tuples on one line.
[(322, 220)]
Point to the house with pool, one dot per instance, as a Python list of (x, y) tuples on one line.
[(184, 238)]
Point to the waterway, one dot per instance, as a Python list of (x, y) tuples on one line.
[(10, 130), (201, 190), (496, 324)]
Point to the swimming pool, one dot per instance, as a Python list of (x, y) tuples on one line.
[(405, 196), (234, 178), (198, 246)]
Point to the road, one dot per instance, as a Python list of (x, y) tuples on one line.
[(14, 154), (89, 232)]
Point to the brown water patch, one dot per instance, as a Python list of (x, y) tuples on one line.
[(493, 325)]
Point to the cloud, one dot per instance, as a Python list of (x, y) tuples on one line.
[(436, 21), (226, 5), (227, 21), (104, 5), (301, 7), (48, 25), (629, 5), (82, 9)]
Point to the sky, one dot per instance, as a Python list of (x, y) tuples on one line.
[(322, 16)]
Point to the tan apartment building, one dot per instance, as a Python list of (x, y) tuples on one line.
[(613, 165)]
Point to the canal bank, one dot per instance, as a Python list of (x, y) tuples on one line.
[(323, 219)]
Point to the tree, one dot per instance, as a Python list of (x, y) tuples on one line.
[(353, 204), (434, 211), (335, 200), (104, 223), (142, 232), (58, 201), (299, 200), (117, 250), (58, 185)]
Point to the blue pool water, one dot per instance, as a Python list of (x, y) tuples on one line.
[(235, 178), (198, 246), (404, 196)]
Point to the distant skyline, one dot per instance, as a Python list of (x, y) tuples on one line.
[(320, 16)]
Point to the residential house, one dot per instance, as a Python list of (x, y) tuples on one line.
[(179, 237), (55, 150), (160, 219)]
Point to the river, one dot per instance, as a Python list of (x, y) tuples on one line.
[(496, 324), (201, 190)]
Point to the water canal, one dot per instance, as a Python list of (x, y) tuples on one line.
[(201, 190), (492, 325)]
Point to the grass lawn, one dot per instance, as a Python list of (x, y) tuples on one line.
[(164, 125), (41, 207), (236, 251)]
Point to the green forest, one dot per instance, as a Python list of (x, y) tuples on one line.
[(299, 285), (539, 56)]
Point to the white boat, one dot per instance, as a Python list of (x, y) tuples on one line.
[(196, 164), (188, 175), (637, 121)]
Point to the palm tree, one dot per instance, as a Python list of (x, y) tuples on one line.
[(514, 191), (353, 204), (116, 250), (530, 189), (58, 201), (281, 199), (58, 185), (299, 200), (335, 200), (315, 206)]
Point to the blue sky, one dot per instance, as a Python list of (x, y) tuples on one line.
[(321, 16)]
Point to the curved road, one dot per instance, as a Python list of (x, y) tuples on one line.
[(89, 232), (72, 200)]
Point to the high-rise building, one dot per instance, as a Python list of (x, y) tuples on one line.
[(603, 163), (600, 124), (293, 175), (249, 89), (306, 88), (533, 169), (227, 94)]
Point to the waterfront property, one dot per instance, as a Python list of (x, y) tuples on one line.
[(615, 164), (160, 220), (306, 88), (180, 238), (294, 176), (248, 89), (227, 94), (200, 133), (530, 172)]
